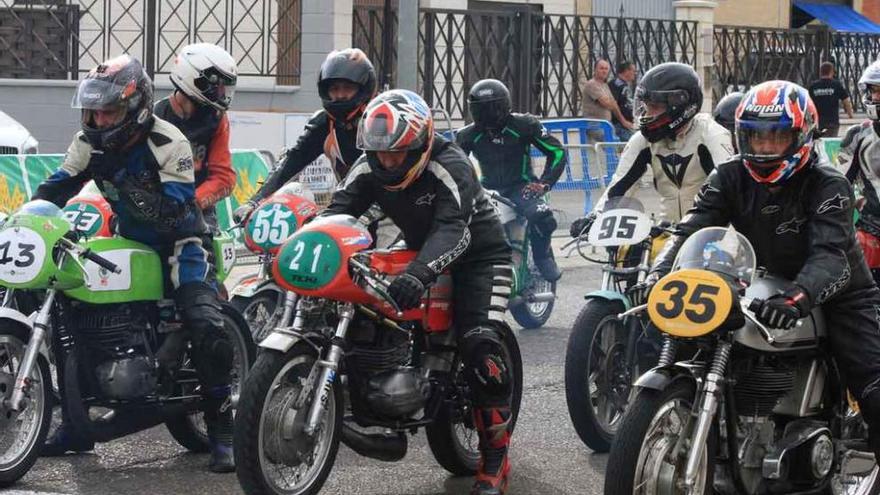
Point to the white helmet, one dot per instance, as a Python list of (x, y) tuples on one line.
[(206, 73), (871, 77)]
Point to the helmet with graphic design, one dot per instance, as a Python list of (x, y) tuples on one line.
[(116, 99), (666, 100), (350, 65), (397, 121), (868, 83), (775, 124)]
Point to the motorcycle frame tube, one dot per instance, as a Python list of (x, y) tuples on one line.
[(328, 369), (283, 337), (38, 335)]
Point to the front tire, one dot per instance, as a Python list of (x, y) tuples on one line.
[(268, 441), (190, 430), (639, 461), (452, 436), (597, 382), (23, 433)]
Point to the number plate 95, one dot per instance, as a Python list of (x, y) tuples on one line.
[(619, 227), (690, 303)]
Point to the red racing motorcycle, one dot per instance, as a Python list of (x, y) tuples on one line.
[(352, 360)]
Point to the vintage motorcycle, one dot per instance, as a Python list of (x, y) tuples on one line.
[(125, 352), (257, 297), (757, 410), (605, 354), (532, 298), (351, 360)]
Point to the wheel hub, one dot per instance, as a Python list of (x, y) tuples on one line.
[(284, 438), (7, 383)]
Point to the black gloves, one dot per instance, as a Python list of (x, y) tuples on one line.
[(581, 225), (784, 310), (243, 211), (407, 289), (638, 293)]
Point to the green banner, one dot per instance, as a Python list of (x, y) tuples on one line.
[(250, 167), (831, 147)]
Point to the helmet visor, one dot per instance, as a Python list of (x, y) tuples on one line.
[(766, 142), (216, 86), (649, 103), (97, 94), (488, 114)]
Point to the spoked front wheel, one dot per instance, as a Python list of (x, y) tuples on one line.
[(538, 299), (23, 432), (273, 455)]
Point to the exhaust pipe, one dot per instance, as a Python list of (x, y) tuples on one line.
[(384, 447)]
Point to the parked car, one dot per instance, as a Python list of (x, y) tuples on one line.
[(15, 139)]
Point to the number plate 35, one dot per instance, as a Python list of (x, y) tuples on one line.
[(690, 303)]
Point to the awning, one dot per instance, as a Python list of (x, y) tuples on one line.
[(839, 17)]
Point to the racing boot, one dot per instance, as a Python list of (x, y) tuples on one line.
[(65, 440), (220, 436), (493, 428), (548, 269)]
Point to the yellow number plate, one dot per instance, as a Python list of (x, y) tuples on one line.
[(690, 303)]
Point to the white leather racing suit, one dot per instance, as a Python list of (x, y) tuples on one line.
[(680, 166)]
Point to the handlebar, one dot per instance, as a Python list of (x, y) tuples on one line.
[(88, 254), (379, 285), (501, 199)]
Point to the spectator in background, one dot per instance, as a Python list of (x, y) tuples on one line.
[(827, 94), (598, 101), (621, 90)]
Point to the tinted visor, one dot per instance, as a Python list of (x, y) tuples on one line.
[(766, 142), (216, 86), (96, 94)]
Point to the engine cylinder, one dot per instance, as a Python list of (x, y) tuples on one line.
[(758, 389)]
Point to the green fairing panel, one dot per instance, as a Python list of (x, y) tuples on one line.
[(27, 243), (140, 278)]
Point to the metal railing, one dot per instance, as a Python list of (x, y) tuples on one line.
[(745, 56), (543, 59), (61, 39)]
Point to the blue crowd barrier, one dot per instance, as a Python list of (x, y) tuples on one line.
[(574, 134)]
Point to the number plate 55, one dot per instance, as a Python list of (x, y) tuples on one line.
[(690, 303), (619, 227)]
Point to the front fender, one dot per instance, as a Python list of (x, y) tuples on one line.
[(660, 378), (610, 295), (282, 340), (17, 318), (249, 287)]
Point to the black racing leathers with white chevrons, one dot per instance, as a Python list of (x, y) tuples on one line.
[(804, 232), (444, 214)]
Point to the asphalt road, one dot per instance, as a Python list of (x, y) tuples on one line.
[(546, 455)]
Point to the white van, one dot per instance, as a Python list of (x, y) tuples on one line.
[(15, 139)]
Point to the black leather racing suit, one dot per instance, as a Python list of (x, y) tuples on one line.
[(322, 135), (506, 166), (446, 216), (804, 232)]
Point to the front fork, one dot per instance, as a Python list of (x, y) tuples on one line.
[(38, 335), (706, 413), (327, 369)]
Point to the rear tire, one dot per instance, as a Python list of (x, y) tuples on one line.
[(189, 430), (37, 413), (258, 311), (444, 433)]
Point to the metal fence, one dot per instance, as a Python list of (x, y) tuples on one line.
[(745, 56), (544, 59), (61, 39)]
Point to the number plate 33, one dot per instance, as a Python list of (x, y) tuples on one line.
[(690, 303)]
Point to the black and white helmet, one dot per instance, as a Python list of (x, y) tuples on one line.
[(870, 77), (206, 74)]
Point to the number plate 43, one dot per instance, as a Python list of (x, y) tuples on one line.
[(690, 303)]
